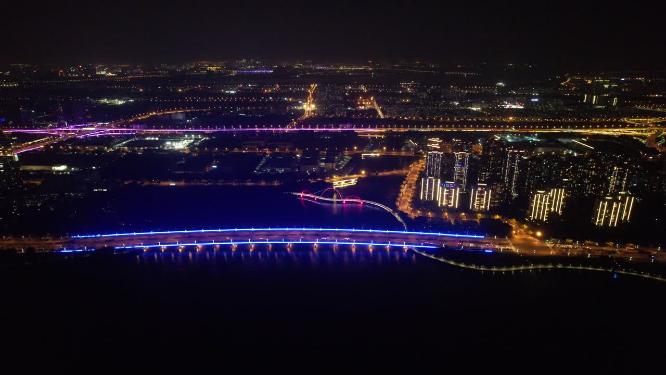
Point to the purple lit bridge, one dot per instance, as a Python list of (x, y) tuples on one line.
[(338, 198), (424, 244), (251, 237), (631, 127), (628, 126)]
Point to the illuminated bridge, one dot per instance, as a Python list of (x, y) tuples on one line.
[(119, 131), (425, 244), (256, 236), (274, 236), (616, 126), (347, 200)]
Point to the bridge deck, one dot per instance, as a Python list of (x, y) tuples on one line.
[(260, 235), (278, 235)]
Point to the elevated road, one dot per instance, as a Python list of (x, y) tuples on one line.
[(341, 236), (35, 145), (426, 244), (606, 126), (248, 236), (120, 130), (345, 200)]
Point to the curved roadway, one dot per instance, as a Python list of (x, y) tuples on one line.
[(343, 200)]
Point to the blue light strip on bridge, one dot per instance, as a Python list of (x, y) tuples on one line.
[(75, 250), (281, 230)]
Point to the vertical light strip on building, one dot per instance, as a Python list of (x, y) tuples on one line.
[(620, 210), (540, 205), (480, 198), (450, 195)]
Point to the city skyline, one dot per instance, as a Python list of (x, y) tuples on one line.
[(548, 35)]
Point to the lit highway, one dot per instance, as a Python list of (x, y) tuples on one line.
[(626, 127), (102, 130), (587, 126), (425, 244), (342, 236), (35, 145)]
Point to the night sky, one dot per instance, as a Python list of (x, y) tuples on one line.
[(596, 35)]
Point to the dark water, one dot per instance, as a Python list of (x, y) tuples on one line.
[(321, 310), (137, 208)]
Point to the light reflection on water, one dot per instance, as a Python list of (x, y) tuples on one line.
[(298, 255)]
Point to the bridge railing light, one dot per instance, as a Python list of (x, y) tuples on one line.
[(284, 229)]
